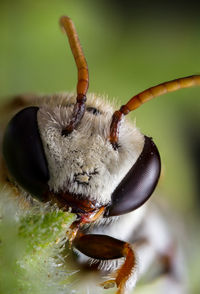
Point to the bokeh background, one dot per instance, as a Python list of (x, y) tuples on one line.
[(129, 47)]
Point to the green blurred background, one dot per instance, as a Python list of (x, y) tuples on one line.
[(129, 47)]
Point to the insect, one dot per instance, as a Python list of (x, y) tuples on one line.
[(84, 156)]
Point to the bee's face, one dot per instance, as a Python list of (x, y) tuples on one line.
[(84, 162), (81, 170)]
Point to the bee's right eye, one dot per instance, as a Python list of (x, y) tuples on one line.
[(24, 154)]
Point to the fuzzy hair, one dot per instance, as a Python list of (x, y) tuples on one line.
[(84, 162)]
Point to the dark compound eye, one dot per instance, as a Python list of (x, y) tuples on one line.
[(139, 183), (93, 110), (24, 154)]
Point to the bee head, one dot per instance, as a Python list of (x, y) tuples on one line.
[(80, 170)]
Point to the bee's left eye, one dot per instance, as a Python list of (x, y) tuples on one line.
[(139, 183), (23, 152)]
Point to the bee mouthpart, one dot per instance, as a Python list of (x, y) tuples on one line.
[(78, 203)]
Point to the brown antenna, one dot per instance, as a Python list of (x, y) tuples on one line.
[(83, 75), (145, 96)]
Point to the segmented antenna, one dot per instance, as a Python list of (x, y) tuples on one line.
[(83, 75), (145, 96)]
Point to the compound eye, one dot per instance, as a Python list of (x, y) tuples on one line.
[(139, 183), (24, 154)]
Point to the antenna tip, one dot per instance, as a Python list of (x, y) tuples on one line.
[(64, 18), (64, 21)]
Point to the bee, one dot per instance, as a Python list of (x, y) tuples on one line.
[(77, 152)]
